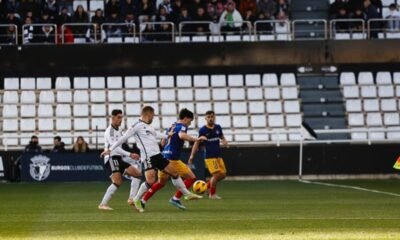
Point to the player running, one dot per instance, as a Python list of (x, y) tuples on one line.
[(213, 159), (115, 164), (172, 152), (146, 138)]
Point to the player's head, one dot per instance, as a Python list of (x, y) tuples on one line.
[(210, 117), (147, 114), (186, 116), (57, 140), (116, 117)]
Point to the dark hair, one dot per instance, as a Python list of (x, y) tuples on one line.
[(34, 137), (147, 109), (185, 113), (57, 138), (209, 112), (115, 112)]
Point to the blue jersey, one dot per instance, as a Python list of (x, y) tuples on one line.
[(173, 149), (214, 135)]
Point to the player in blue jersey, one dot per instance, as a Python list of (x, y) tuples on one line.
[(172, 152), (213, 159)]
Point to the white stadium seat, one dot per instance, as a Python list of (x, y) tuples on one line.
[(221, 108), (81, 124), (353, 105), (28, 110), (115, 96), (351, 91), (391, 119), (97, 83), (220, 94), (45, 110), (11, 83), (202, 94), (133, 96), (149, 82), (240, 121), (385, 91), (389, 105), (275, 121), (356, 119), (270, 79), (368, 91), (237, 94), (377, 135), (63, 110), (45, 124), (150, 95), (202, 107), (260, 137), (10, 125), (81, 96), (114, 82), (289, 93), (274, 107), (63, 124), (98, 96), (168, 108), (166, 81), (218, 80), (113, 106), (98, 110), (272, 93), (188, 105), (293, 120), (396, 78), (184, 81), (254, 94), (43, 83), (10, 111), (365, 78), (253, 80), (133, 109), (132, 82), (383, 78), (63, 83), (256, 107), (288, 79), (359, 135), (27, 124), (347, 78), (28, 83), (100, 123), (185, 94), (239, 107), (10, 97), (167, 95), (81, 82), (223, 120), (28, 97), (81, 110), (200, 81), (374, 119), (291, 106), (394, 133), (279, 135), (258, 121), (235, 80), (64, 97), (241, 135), (166, 122), (371, 105), (46, 97)]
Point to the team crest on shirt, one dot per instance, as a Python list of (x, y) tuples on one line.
[(40, 167)]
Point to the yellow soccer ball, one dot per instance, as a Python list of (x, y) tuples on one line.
[(199, 187)]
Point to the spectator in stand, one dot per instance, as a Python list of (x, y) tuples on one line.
[(394, 17), (80, 16), (167, 5), (215, 8), (246, 5), (28, 31), (80, 146), (98, 17), (95, 35), (12, 6), (12, 18), (8, 36), (146, 8), (379, 6), (184, 17), (113, 30), (29, 8), (127, 7), (112, 6), (357, 15), (45, 17), (33, 146), (64, 17), (147, 30), (371, 12), (67, 4), (59, 145), (336, 6), (52, 8), (353, 5), (176, 10), (230, 19), (127, 29), (267, 7), (44, 34), (194, 5), (282, 7), (164, 30), (201, 16), (342, 26), (263, 28)]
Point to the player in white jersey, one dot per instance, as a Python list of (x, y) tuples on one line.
[(115, 163), (147, 141)]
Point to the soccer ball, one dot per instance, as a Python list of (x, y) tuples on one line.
[(199, 187)]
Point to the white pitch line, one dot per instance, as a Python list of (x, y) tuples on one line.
[(350, 187)]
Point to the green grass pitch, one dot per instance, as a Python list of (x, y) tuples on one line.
[(249, 210)]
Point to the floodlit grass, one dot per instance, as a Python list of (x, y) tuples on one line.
[(249, 210)]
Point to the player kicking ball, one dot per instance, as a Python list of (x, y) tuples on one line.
[(115, 164), (147, 141), (213, 159), (172, 152)]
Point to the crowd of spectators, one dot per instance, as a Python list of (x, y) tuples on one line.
[(79, 146), (364, 10), (226, 13)]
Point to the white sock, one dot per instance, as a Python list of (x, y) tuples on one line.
[(134, 187), (109, 193), (143, 188), (180, 185)]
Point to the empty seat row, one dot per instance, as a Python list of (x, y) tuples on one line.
[(373, 119), (376, 134), (367, 78), (372, 105), (371, 91), (234, 80)]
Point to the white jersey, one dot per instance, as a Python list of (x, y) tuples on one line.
[(146, 139), (111, 136)]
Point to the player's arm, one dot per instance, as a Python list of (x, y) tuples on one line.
[(224, 142), (131, 131), (195, 148), (124, 153)]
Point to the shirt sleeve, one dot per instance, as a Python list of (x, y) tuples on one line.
[(221, 134), (202, 132), (131, 131), (122, 152), (161, 135)]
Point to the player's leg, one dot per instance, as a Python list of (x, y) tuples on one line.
[(116, 179), (162, 180), (218, 171), (150, 175), (136, 178), (186, 173)]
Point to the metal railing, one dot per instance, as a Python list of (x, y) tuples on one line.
[(188, 29), (39, 33), (85, 32), (119, 32), (383, 28), (309, 34), (148, 33), (348, 28), (269, 30), (5, 37)]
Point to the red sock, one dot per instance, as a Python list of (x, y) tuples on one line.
[(213, 190), (188, 182), (154, 188)]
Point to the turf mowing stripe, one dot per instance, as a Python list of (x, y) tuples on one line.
[(350, 187)]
